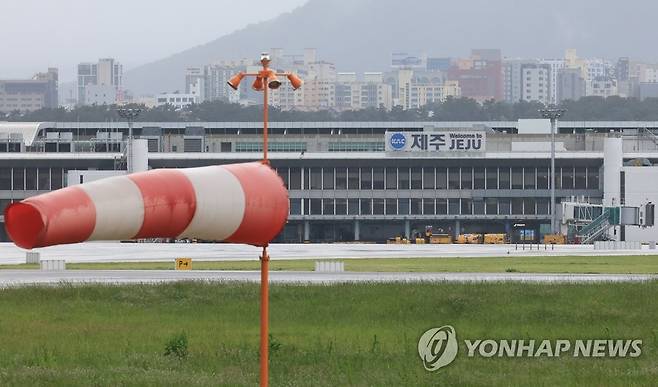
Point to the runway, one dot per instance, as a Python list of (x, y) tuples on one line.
[(33, 277), (123, 252)]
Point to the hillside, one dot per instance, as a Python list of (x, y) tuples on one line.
[(360, 35)]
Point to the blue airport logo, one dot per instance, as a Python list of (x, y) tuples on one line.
[(398, 141)]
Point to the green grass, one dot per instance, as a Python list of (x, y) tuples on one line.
[(636, 264), (359, 334)]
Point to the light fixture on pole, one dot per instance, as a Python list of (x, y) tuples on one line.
[(129, 115), (265, 79), (552, 113)]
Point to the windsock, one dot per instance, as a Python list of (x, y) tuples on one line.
[(239, 203)]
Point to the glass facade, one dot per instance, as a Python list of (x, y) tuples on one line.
[(31, 179), (428, 187), (271, 147), (356, 147)]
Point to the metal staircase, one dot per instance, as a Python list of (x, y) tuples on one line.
[(598, 227)]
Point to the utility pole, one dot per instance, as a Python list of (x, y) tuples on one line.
[(129, 115), (552, 112)]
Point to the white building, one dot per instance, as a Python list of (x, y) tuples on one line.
[(598, 68), (602, 87), (419, 88), (215, 77), (556, 66), (177, 100), (106, 73), (319, 86), (100, 95), (535, 83), (371, 92), (648, 72), (195, 83)]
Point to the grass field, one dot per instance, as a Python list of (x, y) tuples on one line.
[(358, 334), (635, 264)]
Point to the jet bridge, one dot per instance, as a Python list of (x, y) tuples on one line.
[(587, 222)]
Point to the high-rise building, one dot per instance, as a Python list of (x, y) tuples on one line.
[(195, 83), (512, 80), (570, 85), (30, 94), (623, 69), (215, 77), (371, 92), (481, 76), (598, 68), (319, 86), (556, 65), (535, 83), (626, 84), (100, 83), (285, 98), (416, 89)]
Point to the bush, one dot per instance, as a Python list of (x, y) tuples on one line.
[(177, 346)]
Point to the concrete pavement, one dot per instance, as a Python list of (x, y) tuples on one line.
[(123, 252)]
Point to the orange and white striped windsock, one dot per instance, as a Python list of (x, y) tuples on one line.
[(239, 203)]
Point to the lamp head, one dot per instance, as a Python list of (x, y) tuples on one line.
[(273, 82), (235, 80), (295, 81), (265, 59), (258, 84)]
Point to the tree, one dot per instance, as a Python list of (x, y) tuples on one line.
[(453, 109)]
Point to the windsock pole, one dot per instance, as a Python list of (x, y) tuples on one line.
[(264, 317), (262, 83)]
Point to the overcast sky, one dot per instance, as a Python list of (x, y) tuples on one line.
[(37, 34)]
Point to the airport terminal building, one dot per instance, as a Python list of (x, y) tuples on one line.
[(369, 181)]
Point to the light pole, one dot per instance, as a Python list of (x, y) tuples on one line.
[(129, 115), (552, 112), (265, 79)]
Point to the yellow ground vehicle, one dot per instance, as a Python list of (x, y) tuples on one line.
[(469, 239), (495, 239), (555, 239), (398, 240), (441, 239)]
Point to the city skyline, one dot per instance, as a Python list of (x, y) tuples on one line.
[(411, 79), (109, 31)]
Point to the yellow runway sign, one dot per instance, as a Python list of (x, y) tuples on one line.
[(183, 263)]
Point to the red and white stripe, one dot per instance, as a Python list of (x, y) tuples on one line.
[(240, 203)]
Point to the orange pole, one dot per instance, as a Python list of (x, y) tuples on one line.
[(264, 318), (265, 119), (264, 265)]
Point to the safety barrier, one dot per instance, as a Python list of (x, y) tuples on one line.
[(617, 245), (329, 267), (53, 264), (32, 257)]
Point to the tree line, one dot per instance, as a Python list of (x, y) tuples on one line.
[(453, 109)]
